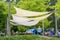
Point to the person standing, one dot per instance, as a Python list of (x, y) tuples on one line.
[(39, 30)]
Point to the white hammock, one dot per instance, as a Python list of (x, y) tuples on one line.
[(24, 21), (20, 17), (21, 12), (28, 21), (31, 23)]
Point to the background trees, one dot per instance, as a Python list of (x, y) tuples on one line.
[(3, 16), (31, 5)]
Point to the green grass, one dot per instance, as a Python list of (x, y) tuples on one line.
[(28, 37)]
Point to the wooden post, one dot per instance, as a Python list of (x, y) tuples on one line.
[(8, 20), (43, 26)]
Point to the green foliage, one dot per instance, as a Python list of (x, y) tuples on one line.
[(35, 5), (28, 37), (58, 8), (22, 28), (47, 23), (3, 14)]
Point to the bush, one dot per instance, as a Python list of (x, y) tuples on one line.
[(27, 37)]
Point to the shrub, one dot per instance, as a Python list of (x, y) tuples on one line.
[(27, 37)]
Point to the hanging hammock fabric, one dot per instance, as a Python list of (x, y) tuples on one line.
[(31, 23), (24, 21), (21, 12), (20, 18), (28, 21)]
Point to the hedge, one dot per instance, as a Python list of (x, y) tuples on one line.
[(27, 37)]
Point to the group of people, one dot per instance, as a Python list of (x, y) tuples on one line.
[(49, 33), (40, 32), (35, 31)]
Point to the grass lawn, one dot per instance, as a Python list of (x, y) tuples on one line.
[(28, 37)]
